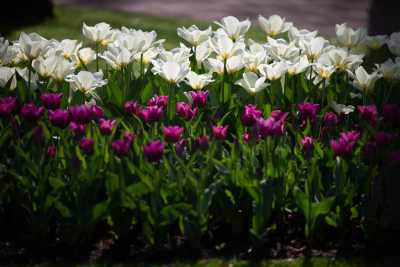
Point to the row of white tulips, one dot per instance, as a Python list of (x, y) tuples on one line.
[(287, 50)]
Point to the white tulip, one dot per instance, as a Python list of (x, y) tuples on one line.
[(254, 57), (32, 45), (348, 37), (279, 49), (100, 33), (389, 69), (296, 35), (233, 64), (234, 28), (86, 82), (314, 47), (32, 77), (394, 43), (343, 60), (198, 81), (274, 25), (193, 35), (62, 68), (69, 47), (6, 75), (298, 66), (252, 83), (364, 81), (44, 66), (203, 51), (376, 41), (148, 38), (225, 48), (171, 71), (130, 42), (323, 71), (273, 71), (85, 56), (117, 57)]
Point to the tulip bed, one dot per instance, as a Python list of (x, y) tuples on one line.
[(123, 145)]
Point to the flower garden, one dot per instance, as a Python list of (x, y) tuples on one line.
[(114, 143)]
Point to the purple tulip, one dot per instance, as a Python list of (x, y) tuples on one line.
[(274, 125), (97, 112), (128, 137), (308, 111), (220, 132), (31, 112), (86, 144), (246, 137), (121, 147), (132, 107), (51, 100), (369, 113), (59, 118), (180, 147), (106, 126), (199, 98), (77, 129), (394, 158), (202, 142), (307, 144), (330, 119), (159, 101), (8, 105), (154, 151), (172, 134), (391, 114), (81, 114), (250, 115), (52, 151), (151, 114), (185, 111), (345, 144)]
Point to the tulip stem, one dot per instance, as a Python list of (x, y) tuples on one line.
[(171, 108)]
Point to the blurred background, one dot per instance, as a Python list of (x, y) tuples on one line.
[(64, 16)]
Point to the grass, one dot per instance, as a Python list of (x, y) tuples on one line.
[(68, 21), (314, 262)]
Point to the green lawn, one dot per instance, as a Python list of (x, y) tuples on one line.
[(68, 21)]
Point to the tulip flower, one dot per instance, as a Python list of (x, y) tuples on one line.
[(85, 56), (345, 144), (77, 129), (234, 28), (199, 98), (172, 134), (32, 45), (363, 81), (274, 25), (185, 111), (299, 66), (117, 57), (6, 75), (220, 132), (180, 147), (51, 100), (225, 48), (171, 71), (384, 138), (86, 144), (151, 113), (246, 137), (274, 125), (97, 111), (132, 107), (252, 83), (31, 112), (59, 118), (376, 41), (280, 50), (128, 137), (159, 101), (198, 81), (154, 151), (52, 151), (314, 48), (106, 126), (307, 144), (86, 82), (394, 43), (391, 114), (250, 115), (330, 119), (193, 35), (348, 37), (273, 71), (121, 147), (100, 33), (369, 113), (308, 112), (201, 142), (81, 114), (8, 105)]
